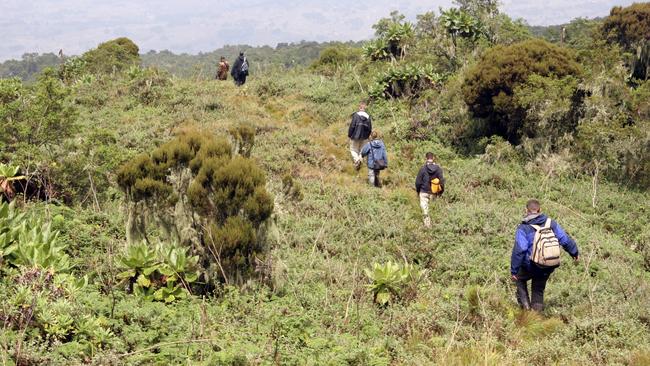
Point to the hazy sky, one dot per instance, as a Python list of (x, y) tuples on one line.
[(197, 25)]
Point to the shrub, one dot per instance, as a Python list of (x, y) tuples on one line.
[(490, 86), (336, 56), (204, 198), (405, 81), (391, 280), (112, 56)]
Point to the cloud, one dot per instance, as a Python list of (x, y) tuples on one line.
[(201, 25)]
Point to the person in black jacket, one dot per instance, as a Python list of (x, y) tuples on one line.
[(427, 173), (239, 70), (358, 132)]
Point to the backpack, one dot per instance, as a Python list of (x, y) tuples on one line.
[(378, 164), (436, 188), (546, 247), (244, 66)]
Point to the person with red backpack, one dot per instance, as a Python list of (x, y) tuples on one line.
[(429, 184), (536, 254)]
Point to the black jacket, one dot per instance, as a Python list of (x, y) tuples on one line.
[(236, 72), (427, 173), (360, 126)]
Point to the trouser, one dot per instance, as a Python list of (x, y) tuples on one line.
[(424, 205), (355, 150), (538, 278), (373, 177)]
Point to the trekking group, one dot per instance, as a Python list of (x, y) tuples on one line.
[(538, 239), (239, 70)]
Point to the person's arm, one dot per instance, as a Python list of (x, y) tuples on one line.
[(419, 180), (384, 154), (519, 251), (565, 240), (365, 150), (442, 181)]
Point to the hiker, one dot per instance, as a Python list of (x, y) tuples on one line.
[(536, 254), (429, 184), (375, 150), (222, 69), (359, 131), (239, 70)]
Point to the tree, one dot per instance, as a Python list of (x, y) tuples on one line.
[(630, 28), (490, 85), (112, 56)]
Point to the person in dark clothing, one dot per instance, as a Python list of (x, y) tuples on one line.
[(239, 70), (522, 269), (375, 150), (429, 171), (358, 132), (222, 69)]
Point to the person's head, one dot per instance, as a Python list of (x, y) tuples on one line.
[(533, 206), (362, 105), (374, 135), (241, 54), (223, 58), (430, 157)]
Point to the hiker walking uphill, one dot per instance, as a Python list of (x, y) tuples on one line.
[(536, 254), (375, 150), (240, 69), (429, 184), (222, 69), (358, 132)]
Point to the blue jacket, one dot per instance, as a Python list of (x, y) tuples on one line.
[(374, 149), (524, 243)]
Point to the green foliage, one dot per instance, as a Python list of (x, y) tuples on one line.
[(459, 23), (628, 26), (149, 86), (112, 56), (29, 66), (196, 174), (334, 57), (406, 80), (390, 280), (162, 274), (394, 37), (491, 84), (72, 70), (292, 188)]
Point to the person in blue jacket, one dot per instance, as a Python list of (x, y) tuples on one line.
[(521, 267), (375, 150)]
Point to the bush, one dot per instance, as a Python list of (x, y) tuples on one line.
[(112, 56), (490, 87), (405, 81), (336, 56), (203, 197)]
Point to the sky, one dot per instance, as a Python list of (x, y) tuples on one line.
[(193, 26)]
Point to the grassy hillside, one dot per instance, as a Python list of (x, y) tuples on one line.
[(317, 309)]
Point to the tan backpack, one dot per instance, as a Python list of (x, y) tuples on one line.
[(546, 247)]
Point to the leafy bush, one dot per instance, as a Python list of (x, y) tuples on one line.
[(201, 197), (112, 56), (393, 39), (391, 280), (406, 80), (162, 274), (149, 86), (334, 57), (491, 84)]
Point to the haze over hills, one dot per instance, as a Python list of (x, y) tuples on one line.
[(194, 26)]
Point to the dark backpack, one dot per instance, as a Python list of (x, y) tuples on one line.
[(379, 164)]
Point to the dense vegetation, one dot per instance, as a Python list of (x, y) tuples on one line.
[(165, 220)]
